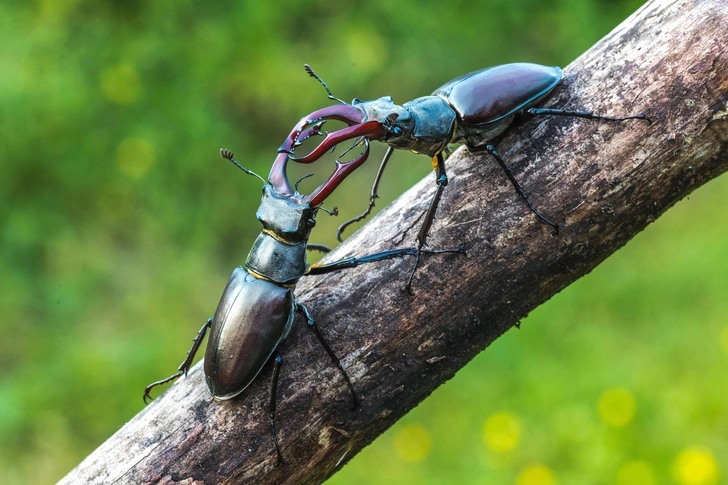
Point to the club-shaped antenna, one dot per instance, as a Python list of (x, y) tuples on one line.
[(225, 153), (316, 76)]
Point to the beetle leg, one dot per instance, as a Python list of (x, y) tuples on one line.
[(184, 367), (314, 328), (151, 386), (347, 263), (318, 247), (438, 163), (586, 114), (273, 391), (509, 173), (372, 197)]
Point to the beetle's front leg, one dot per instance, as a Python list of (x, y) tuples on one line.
[(184, 367), (438, 163), (373, 196)]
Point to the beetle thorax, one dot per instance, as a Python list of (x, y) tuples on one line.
[(286, 216), (279, 252)]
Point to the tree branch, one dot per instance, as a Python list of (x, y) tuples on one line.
[(609, 180)]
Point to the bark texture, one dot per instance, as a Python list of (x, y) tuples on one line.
[(608, 180)]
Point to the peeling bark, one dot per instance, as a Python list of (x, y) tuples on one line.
[(608, 180)]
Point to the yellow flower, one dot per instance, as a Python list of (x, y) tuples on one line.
[(134, 156), (120, 84), (695, 466), (536, 475), (412, 442), (617, 407), (502, 431)]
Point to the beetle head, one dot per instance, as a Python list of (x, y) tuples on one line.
[(287, 216), (397, 123)]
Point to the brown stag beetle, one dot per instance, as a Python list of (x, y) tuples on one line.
[(258, 306), (471, 109)]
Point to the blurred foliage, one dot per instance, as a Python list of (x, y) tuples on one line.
[(119, 225)]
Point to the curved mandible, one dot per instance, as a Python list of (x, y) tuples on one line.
[(365, 131), (308, 126), (317, 197), (370, 129)]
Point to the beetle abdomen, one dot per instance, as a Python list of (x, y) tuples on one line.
[(251, 319), (496, 92)]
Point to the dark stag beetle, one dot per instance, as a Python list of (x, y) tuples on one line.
[(257, 307), (471, 109)]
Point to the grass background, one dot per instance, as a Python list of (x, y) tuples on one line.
[(119, 225)]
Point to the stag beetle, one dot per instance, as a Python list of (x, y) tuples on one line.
[(257, 307), (471, 109)]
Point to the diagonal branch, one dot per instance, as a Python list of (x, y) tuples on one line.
[(609, 180)]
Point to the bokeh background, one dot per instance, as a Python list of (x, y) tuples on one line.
[(120, 223)]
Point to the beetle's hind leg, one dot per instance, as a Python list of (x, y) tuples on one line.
[(556, 112), (184, 367), (587, 114), (314, 328), (509, 173)]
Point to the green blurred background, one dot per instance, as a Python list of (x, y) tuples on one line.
[(120, 223)]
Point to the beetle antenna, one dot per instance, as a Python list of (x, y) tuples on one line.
[(225, 153), (299, 180), (316, 76)]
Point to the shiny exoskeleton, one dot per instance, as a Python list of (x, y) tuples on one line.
[(258, 305), (471, 109)]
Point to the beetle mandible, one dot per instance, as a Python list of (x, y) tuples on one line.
[(257, 307), (471, 109)]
